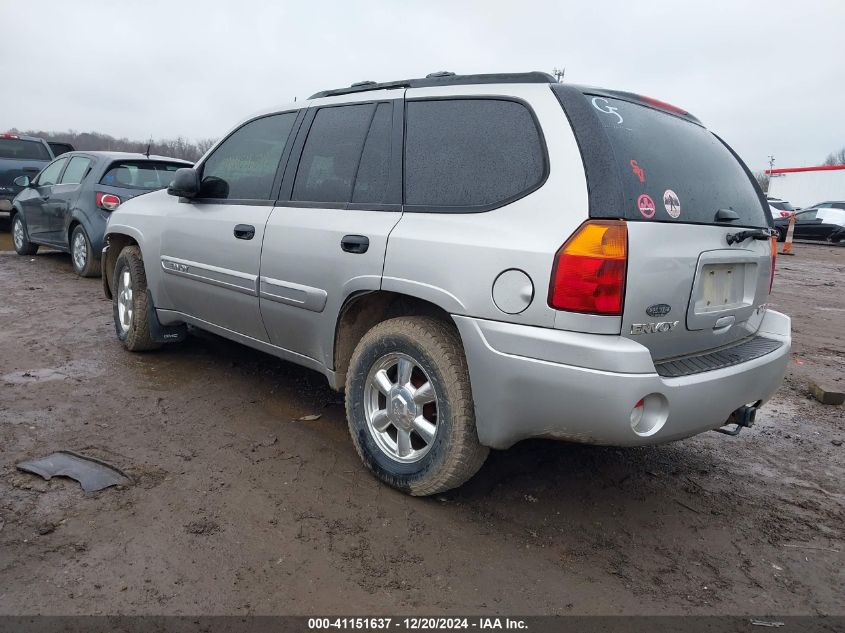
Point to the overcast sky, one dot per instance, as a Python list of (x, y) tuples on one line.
[(769, 77)]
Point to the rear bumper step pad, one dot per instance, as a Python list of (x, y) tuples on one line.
[(689, 365)]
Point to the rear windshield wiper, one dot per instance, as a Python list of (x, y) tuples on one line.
[(757, 234)]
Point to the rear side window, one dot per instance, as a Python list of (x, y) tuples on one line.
[(140, 174), (673, 170), (76, 170), (23, 150), (244, 166), (346, 157), (60, 148), (470, 154)]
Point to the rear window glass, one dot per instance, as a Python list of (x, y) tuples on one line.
[(465, 153), (673, 170), (832, 215), (23, 150), (140, 174), (782, 206)]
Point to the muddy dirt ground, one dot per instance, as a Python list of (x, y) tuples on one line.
[(239, 509)]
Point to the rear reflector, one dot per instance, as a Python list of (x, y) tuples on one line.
[(590, 268), (107, 201)]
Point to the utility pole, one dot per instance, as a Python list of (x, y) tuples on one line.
[(557, 72), (771, 167)]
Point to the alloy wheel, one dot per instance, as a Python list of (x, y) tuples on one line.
[(79, 251), (125, 306), (17, 234), (401, 408)]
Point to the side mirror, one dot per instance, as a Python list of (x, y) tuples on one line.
[(22, 181), (185, 184)]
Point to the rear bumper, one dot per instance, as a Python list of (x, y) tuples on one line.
[(536, 382)]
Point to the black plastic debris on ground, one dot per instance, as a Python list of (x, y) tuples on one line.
[(91, 473)]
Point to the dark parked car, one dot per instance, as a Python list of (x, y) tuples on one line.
[(831, 204), (816, 223), (67, 205), (23, 156)]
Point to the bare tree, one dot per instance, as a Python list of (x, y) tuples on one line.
[(836, 158), (763, 180), (174, 148), (205, 144)]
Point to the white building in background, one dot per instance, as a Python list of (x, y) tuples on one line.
[(806, 186)]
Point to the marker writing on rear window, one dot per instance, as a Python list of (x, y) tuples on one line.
[(638, 171)]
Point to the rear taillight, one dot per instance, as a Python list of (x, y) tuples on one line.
[(589, 270), (784, 214), (774, 257), (9, 136), (107, 201)]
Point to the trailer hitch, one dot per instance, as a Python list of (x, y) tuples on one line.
[(743, 417)]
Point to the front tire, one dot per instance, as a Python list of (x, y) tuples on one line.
[(409, 406), (130, 301), (20, 239), (82, 255)]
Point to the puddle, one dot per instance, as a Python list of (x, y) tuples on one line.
[(73, 369)]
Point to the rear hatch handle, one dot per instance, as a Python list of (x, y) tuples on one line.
[(741, 236)]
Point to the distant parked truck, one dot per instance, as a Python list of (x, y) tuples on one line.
[(23, 156), (805, 186)]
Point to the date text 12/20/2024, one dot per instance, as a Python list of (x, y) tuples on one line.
[(416, 623)]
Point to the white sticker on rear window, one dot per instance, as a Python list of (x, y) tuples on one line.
[(672, 203), (607, 108)]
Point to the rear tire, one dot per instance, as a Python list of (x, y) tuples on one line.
[(20, 238), (130, 301), (408, 376), (82, 255), (781, 234)]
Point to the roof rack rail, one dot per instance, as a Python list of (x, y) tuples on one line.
[(441, 78)]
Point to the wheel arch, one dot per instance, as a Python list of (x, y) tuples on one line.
[(363, 310), (115, 242)]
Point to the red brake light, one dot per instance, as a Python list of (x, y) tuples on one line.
[(657, 103), (590, 268), (107, 201), (9, 136), (784, 214)]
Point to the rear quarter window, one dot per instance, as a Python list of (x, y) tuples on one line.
[(470, 154)]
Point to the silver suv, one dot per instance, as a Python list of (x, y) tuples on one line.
[(475, 260)]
